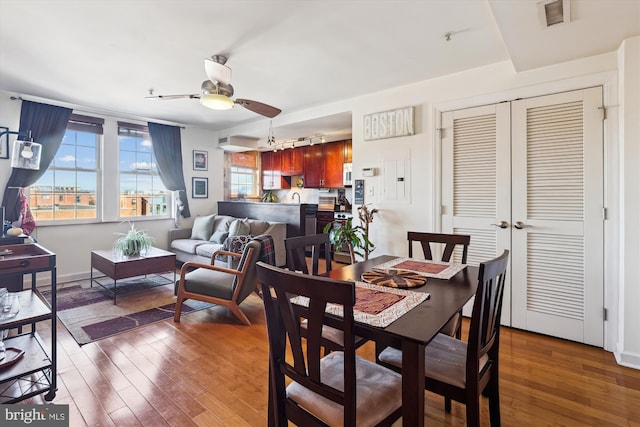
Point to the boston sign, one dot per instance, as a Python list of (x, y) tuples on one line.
[(388, 124)]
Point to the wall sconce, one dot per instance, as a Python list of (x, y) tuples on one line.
[(25, 154)]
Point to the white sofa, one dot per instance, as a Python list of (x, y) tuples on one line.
[(208, 234)]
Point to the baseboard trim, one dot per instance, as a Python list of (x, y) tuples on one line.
[(628, 359)]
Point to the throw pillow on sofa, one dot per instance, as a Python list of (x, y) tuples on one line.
[(233, 244), (239, 227), (202, 227), (218, 236)]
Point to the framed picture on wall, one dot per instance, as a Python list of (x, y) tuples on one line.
[(200, 160), (200, 188)]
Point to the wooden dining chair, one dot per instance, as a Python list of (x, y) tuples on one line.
[(296, 247), (450, 241), (337, 389), (463, 371)]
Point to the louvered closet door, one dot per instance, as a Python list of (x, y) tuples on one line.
[(557, 262), (477, 182), (536, 164)]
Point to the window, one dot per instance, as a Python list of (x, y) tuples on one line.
[(72, 178), (244, 174), (141, 190)]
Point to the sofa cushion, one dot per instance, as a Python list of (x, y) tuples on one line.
[(218, 236), (202, 227), (188, 246), (257, 227), (206, 249), (239, 227)]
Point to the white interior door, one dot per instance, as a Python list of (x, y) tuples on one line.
[(477, 183), (558, 233), (537, 166)]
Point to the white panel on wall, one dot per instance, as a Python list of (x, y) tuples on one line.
[(396, 174)]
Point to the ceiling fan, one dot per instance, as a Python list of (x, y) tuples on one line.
[(216, 92)]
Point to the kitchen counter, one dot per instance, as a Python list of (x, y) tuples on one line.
[(293, 214)]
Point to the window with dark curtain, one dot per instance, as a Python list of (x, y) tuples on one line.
[(167, 147), (47, 124), (142, 192), (68, 190)]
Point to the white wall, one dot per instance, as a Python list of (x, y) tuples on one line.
[(73, 244)]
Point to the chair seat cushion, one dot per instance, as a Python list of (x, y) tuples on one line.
[(210, 282), (331, 334), (444, 360), (378, 392)]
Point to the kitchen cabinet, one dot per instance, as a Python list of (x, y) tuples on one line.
[(292, 161), (271, 171), (323, 165), (347, 151)]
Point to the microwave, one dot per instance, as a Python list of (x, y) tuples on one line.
[(347, 175)]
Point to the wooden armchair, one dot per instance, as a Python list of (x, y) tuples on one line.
[(220, 285)]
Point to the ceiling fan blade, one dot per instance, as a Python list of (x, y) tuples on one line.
[(165, 97), (259, 107)]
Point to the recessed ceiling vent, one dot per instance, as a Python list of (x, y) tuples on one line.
[(553, 12)]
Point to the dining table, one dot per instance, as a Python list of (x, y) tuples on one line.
[(414, 329)]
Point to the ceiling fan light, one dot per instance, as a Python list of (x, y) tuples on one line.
[(216, 102)]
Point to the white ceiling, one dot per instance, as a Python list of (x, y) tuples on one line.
[(106, 55)]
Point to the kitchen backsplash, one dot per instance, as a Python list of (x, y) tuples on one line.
[(309, 195)]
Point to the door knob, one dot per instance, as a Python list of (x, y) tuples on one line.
[(502, 224), (519, 225)]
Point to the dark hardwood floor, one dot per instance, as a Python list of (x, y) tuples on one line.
[(208, 370)]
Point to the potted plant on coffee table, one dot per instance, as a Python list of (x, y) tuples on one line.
[(133, 242)]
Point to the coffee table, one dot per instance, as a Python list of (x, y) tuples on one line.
[(119, 267)]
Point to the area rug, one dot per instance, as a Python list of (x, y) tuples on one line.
[(89, 313)]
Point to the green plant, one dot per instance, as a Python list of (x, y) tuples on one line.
[(132, 242), (269, 197), (355, 237)]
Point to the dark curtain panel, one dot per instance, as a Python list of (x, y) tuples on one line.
[(167, 147), (47, 124)]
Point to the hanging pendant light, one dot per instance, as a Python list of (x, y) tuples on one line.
[(271, 140)]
